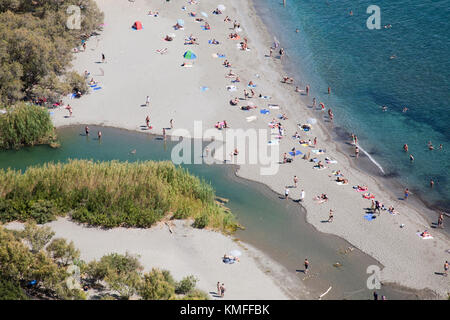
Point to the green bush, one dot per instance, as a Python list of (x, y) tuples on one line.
[(110, 194), (25, 125), (201, 222), (10, 290), (186, 285)]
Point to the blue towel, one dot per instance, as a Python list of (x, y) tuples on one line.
[(92, 85), (204, 28), (221, 55), (296, 153), (98, 88), (369, 217), (306, 129), (252, 86), (204, 88), (264, 111)]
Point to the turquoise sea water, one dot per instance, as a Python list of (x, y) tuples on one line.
[(336, 49)]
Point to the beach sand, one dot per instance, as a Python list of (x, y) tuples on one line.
[(134, 70), (185, 251)]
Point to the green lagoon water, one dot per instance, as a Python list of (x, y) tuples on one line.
[(274, 226)]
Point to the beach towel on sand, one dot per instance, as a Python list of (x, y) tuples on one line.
[(424, 238), (296, 153), (251, 118), (264, 111), (369, 216)]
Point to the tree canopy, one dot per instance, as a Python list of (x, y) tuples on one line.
[(36, 47)]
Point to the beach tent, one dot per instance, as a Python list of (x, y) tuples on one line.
[(189, 55), (137, 25)]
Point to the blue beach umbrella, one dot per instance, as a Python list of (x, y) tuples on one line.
[(189, 55)]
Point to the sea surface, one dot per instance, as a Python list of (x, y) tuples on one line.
[(273, 225), (335, 49)]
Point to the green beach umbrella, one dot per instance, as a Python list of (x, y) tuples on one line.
[(189, 55)]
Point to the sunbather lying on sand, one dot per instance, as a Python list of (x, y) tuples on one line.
[(234, 101), (319, 165), (248, 107), (343, 180), (322, 198), (287, 80), (361, 188), (167, 38)]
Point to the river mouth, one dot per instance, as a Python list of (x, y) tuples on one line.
[(276, 227)]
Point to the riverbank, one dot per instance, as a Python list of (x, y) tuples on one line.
[(183, 251), (137, 70)]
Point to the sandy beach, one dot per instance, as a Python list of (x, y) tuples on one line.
[(185, 251), (134, 70)]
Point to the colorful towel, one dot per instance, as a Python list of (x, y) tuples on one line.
[(296, 153)]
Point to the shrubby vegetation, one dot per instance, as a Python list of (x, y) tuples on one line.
[(26, 125), (36, 47), (27, 272), (111, 194)]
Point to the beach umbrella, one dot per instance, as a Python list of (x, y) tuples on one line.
[(311, 121), (221, 7), (189, 55), (204, 14), (180, 22), (235, 253)]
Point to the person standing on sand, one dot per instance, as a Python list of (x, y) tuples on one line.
[(440, 223), (307, 89), (406, 194), (306, 264), (147, 121), (219, 292), (375, 295), (315, 141), (302, 195), (446, 268), (356, 152), (286, 193), (171, 123), (222, 290), (147, 101), (69, 108), (314, 102), (330, 217), (103, 58), (295, 181)]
